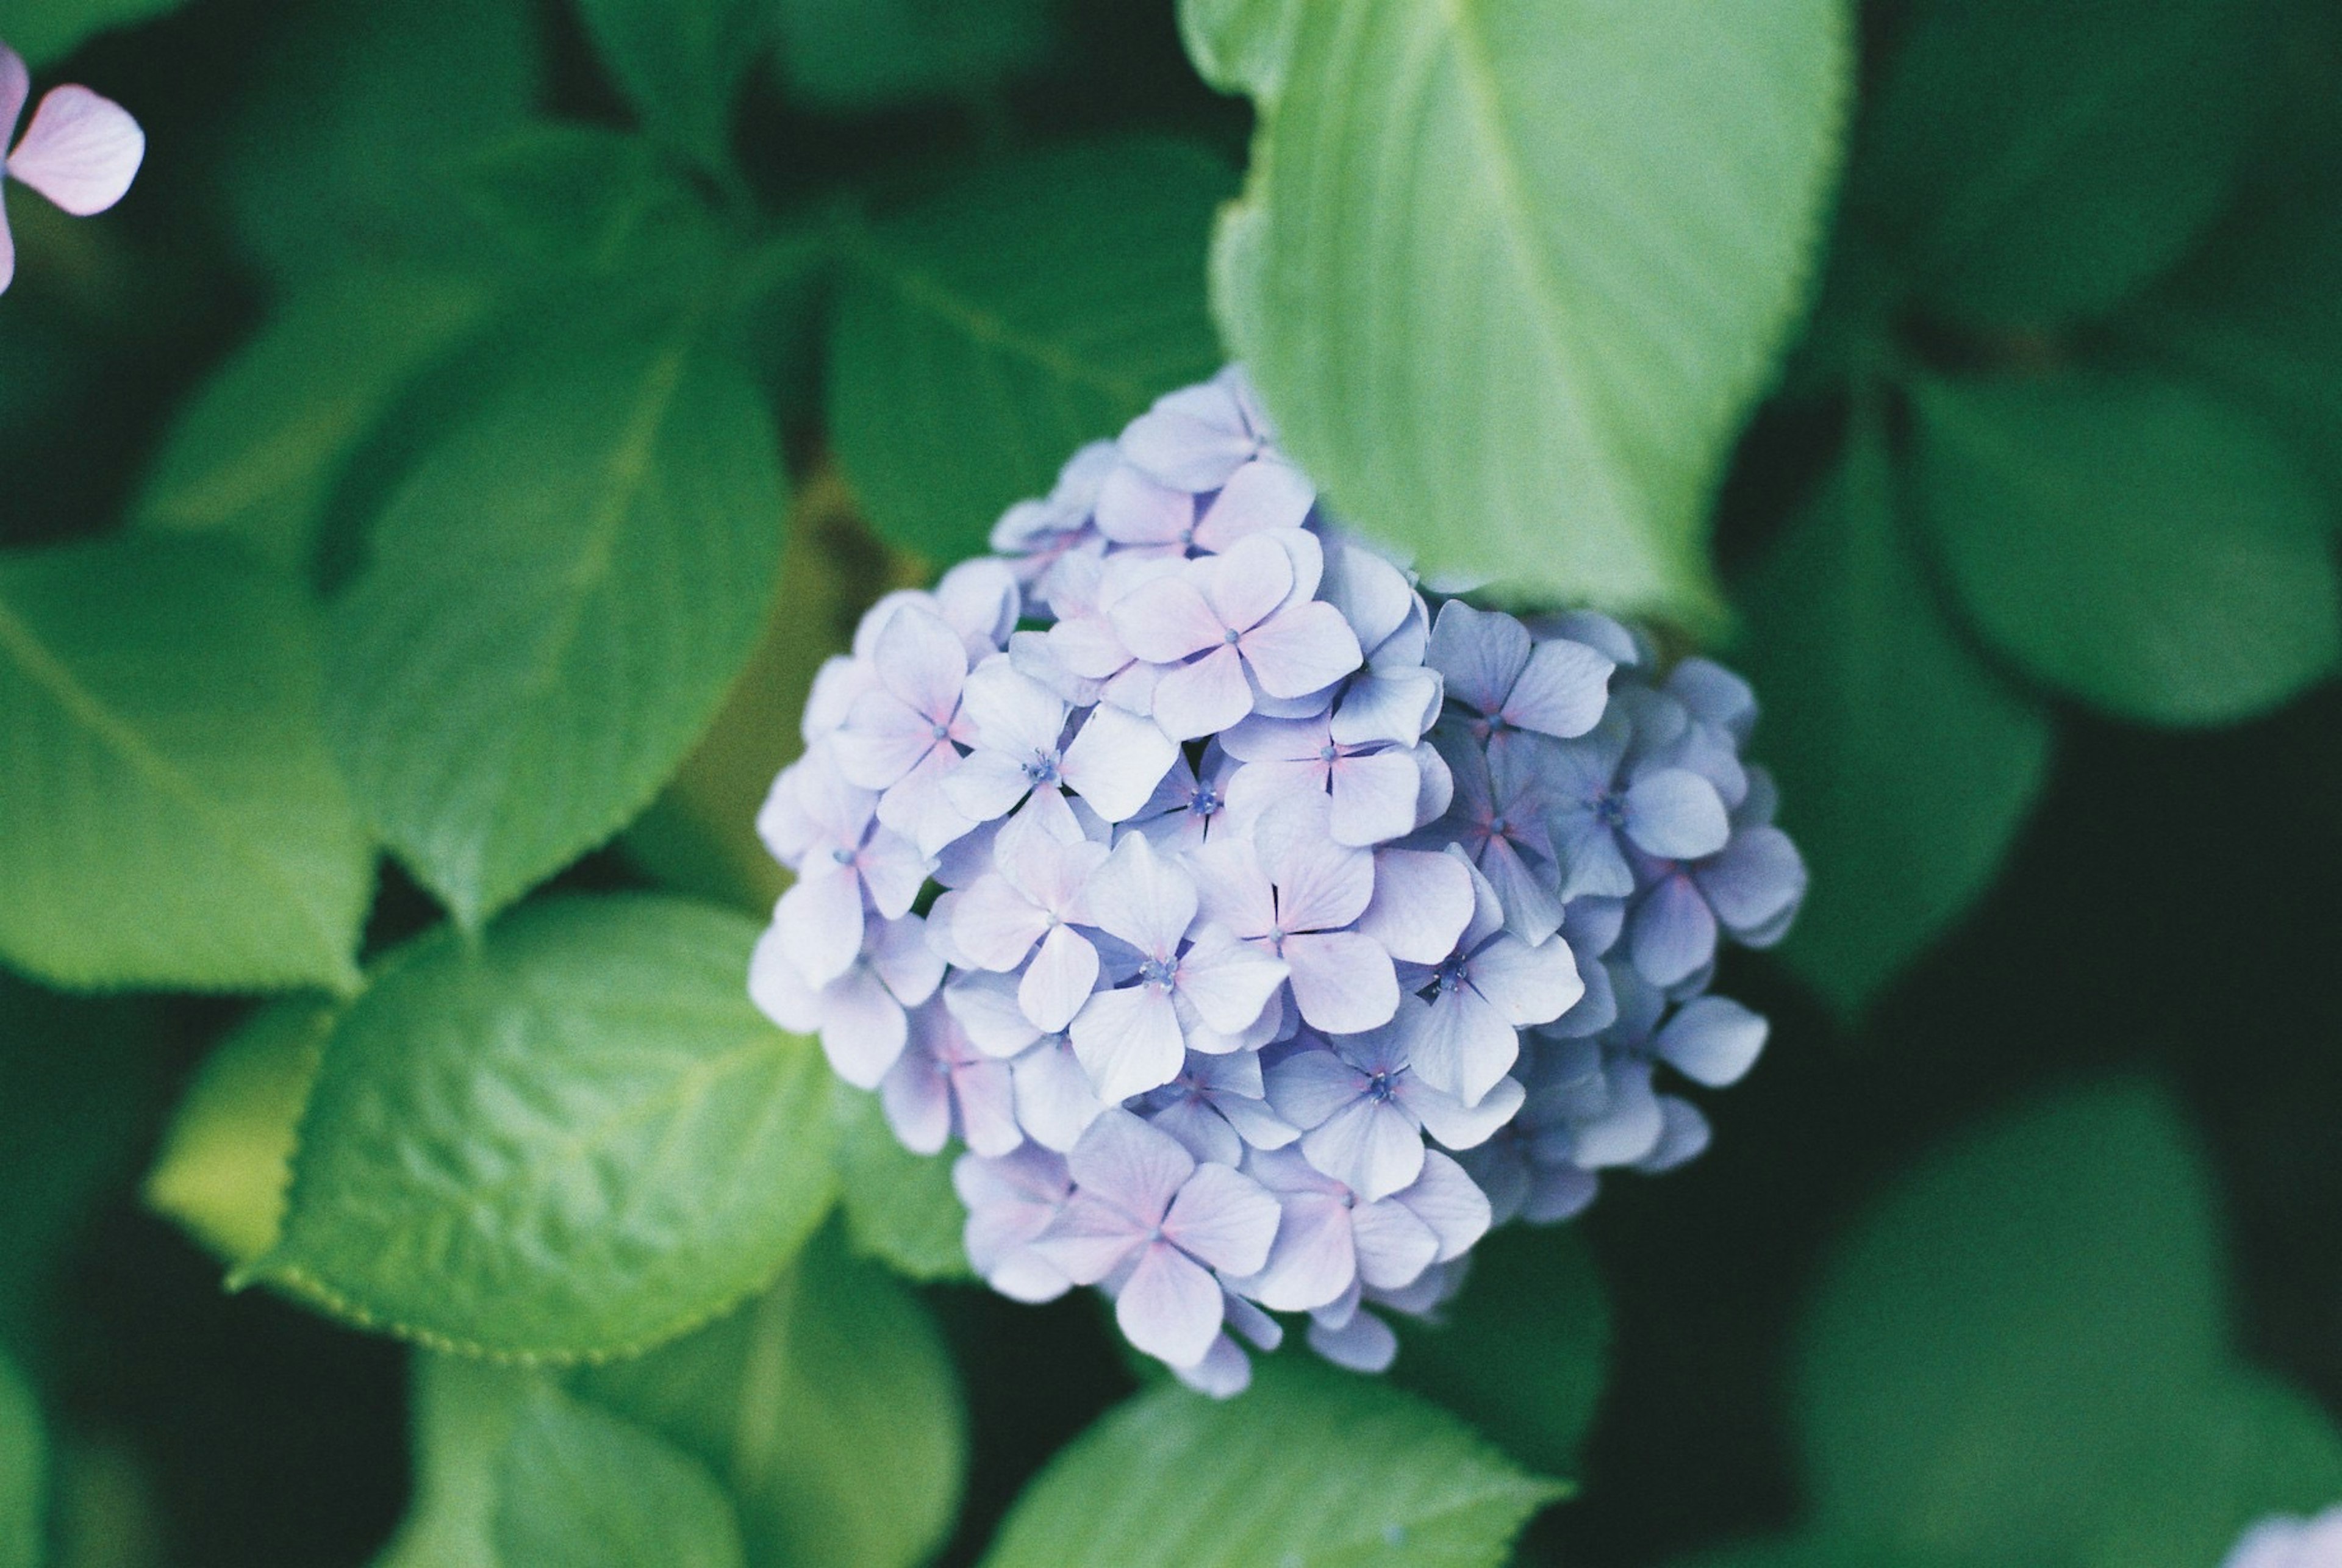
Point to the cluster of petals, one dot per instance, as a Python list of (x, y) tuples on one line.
[(1263, 929), (81, 150), (2290, 1542)]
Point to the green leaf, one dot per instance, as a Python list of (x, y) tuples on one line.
[(2132, 542), (681, 64), (48, 31), (574, 1137), (464, 1413), (582, 198), (981, 338), (2031, 163), (227, 1157), (1509, 276), (829, 1407), (1905, 765), (175, 820), (255, 453), (1310, 1467), (347, 122), (900, 1207), (1240, 45), (24, 1472), (856, 56), (1522, 1354), (2022, 1355), (579, 1487), (559, 597)]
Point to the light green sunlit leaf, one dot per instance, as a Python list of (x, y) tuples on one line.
[(574, 1137), (579, 1487), (1509, 276), (463, 1412), (899, 1206), (1240, 45), (169, 816)]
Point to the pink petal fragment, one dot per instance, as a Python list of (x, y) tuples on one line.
[(81, 151)]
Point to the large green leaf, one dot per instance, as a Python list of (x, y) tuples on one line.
[(24, 1472), (1523, 1353), (1905, 764), (45, 31), (1508, 275), (2022, 1355), (856, 56), (352, 114), (579, 1487), (981, 338), (227, 1158), (2031, 162), (829, 1407), (681, 64), (558, 599), (1240, 45), (255, 453), (574, 1137), (1310, 1468), (168, 813), (2135, 542), (900, 1208), (463, 1413)]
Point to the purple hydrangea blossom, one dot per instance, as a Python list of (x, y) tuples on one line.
[(81, 151), (2287, 1542), (1264, 924)]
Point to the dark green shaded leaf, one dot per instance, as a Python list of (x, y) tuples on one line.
[(681, 64), (574, 1137), (899, 1206), (171, 818), (582, 198), (1311, 1467), (1907, 765), (865, 55), (558, 599), (2135, 543), (2031, 162), (228, 1156), (47, 31), (255, 453), (579, 1487), (1523, 1354), (1509, 276), (829, 1407), (981, 338), (23, 1472), (340, 146)]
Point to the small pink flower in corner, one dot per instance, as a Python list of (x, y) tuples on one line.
[(81, 151)]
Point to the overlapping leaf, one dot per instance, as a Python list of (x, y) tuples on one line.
[(579, 1487)]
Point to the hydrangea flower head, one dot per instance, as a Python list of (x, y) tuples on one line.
[(81, 150), (1264, 927), (2290, 1542)]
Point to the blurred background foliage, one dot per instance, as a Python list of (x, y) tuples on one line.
[(431, 494)]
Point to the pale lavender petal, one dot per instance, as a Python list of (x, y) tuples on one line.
[(1205, 698), (776, 988), (882, 740), (1480, 652), (1063, 975), (916, 1096), (1144, 898), (1090, 1237), (1684, 1136), (899, 951), (7, 243), (1135, 508), (1129, 1042), (994, 925), (1369, 1144), (1435, 787), (1267, 740), (1200, 1128), (894, 871), (1364, 1345), (985, 1093), (1460, 1044), (1562, 691), (1342, 980), (922, 661), (1312, 1262), (1712, 1040), (1225, 1218), (979, 599), (1117, 760), (1394, 1246), (1265, 494), (1224, 1372), (1594, 1011), (15, 83), (1421, 903), (1597, 632), (1321, 885), (1560, 1192), (1532, 906), (1375, 797), (1011, 711), (820, 919), (917, 807), (1129, 1163), (1593, 865), (1528, 985), (1194, 438), (1455, 1125), (1447, 1200), (986, 784), (1676, 815), (1170, 1307), (1245, 584), (1632, 1126), (862, 1027), (837, 686), (1394, 705), (1301, 649), (1255, 1123), (1672, 932), (1228, 982), (1759, 877), (1166, 619), (990, 1014), (1055, 1101), (81, 151), (1715, 694), (1308, 1086)]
